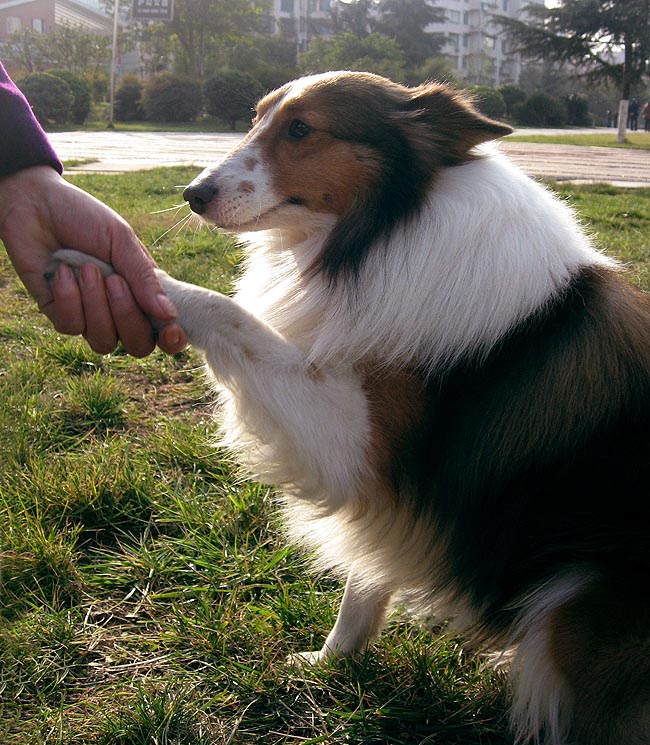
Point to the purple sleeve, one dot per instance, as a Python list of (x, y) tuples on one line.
[(22, 141)]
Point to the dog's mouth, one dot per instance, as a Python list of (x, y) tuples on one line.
[(261, 220)]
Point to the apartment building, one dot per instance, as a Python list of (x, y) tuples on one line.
[(473, 42), (304, 19), (479, 53)]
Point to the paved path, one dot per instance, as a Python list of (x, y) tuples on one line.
[(126, 151)]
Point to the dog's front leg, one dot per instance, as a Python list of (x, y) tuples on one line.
[(361, 617), (309, 427)]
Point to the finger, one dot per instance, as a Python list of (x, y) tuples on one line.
[(67, 314), (100, 330), (172, 338), (132, 326), (131, 260)]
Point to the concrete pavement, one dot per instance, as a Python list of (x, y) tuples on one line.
[(115, 151)]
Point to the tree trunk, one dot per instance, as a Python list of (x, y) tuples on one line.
[(625, 91), (623, 107)]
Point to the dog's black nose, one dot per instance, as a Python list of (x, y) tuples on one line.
[(199, 195)]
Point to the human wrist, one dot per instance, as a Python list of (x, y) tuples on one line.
[(22, 185)]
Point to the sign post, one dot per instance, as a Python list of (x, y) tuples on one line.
[(116, 13)]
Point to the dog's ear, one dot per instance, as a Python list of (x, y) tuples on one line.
[(449, 117)]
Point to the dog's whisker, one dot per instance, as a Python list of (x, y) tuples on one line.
[(175, 207), (179, 224)]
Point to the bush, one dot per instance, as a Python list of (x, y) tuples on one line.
[(488, 101), (81, 92), (128, 99), (50, 97), (541, 110), (99, 83), (513, 96), (578, 111), (171, 98), (232, 95)]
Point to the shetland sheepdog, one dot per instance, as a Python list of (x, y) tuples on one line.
[(449, 385)]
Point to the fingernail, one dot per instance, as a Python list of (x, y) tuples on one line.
[(65, 273), (174, 338), (166, 306), (89, 276)]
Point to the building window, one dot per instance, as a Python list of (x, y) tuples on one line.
[(465, 40), (453, 41), (13, 24), (324, 5), (38, 25), (489, 42), (453, 16), (286, 6)]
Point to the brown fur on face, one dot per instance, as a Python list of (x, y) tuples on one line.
[(372, 150)]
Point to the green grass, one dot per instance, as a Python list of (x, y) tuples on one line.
[(146, 593), (633, 140)]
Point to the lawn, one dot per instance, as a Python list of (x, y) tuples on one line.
[(633, 140), (146, 594)]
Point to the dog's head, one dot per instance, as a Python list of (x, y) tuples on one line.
[(353, 151)]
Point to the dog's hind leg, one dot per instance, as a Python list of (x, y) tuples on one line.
[(361, 617), (601, 644), (583, 668)]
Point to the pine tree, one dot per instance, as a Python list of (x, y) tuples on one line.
[(592, 35)]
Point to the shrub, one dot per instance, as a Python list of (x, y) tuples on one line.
[(128, 99), (81, 92), (488, 101), (513, 96), (542, 110), (231, 95), (171, 98), (99, 83), (578, 111), (50, 97)]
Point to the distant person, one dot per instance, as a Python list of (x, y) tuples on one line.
[(646, 116), (633, 115), (40, 212)]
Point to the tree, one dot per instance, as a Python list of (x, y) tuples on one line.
[(200, 25), (351, 16), (405, 21), (591, 35), (345, 51)]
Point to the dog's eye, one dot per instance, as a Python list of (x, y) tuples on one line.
[(298, 130)]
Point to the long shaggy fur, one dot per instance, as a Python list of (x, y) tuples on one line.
[(447, 382)]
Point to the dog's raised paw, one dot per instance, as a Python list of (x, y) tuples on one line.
[(75, 260)]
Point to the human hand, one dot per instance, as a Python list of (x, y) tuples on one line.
[(40, 213)]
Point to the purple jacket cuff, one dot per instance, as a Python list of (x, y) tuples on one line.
[(23, 143)]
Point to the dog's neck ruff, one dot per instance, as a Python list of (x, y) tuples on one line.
[(448, 284)]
